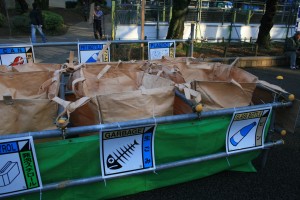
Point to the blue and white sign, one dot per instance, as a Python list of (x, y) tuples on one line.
[(127, 151), (247, 129), (19, 171), (16, 55), (89, 52), (158, 49)]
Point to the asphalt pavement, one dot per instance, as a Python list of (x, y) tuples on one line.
[(278, 180), (82, 31)]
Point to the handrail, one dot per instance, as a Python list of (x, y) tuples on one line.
[(94, 179), (48, 44), (159, 120)]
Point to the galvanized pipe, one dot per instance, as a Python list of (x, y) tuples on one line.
[(83, 181), (140, 122), (53, 44), (62, 87), (182, 97), (49, 44)]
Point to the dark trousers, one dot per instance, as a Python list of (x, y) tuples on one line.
[(97, 29)]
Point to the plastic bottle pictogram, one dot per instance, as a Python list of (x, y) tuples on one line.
[(241, 134)]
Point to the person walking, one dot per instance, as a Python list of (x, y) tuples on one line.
[(292, 45), (97, 22), (36, 21)]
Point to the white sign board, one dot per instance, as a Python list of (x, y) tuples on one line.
[(16, 55), (158, 49), (247, 129), (88, 52), (297, 26), (127, 151), (19, 171)]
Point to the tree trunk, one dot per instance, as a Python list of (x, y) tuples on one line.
[(3, 7), (176, 26), (266, 24)]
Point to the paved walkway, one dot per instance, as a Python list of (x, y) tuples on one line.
[(82, 31)]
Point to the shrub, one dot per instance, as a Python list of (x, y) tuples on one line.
[(52, 21), (21, 22), (2, 19)]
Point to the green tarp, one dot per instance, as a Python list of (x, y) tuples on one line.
[(80, 158)]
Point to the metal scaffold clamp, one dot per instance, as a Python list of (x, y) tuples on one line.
[(198, 108), (62, 123)]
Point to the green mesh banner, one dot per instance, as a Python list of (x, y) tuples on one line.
[(80, 158)]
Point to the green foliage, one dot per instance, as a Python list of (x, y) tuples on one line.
[(2, 19), (71, 4), (52, 21), (21, 7), (21, 22)]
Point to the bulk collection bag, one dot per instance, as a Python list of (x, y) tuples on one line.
[(25, 101), (30, 67), (216, 85), (124, 94), (87, 113)]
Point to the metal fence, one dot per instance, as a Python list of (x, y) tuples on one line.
[(240, 12)]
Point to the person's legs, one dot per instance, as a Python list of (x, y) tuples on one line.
[(39, 28), (33, 29), (292, 55), (95, 30), (100, 29)]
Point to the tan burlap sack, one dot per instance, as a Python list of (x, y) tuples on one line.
[(88, 114), (95, 68), (220, 85), (125, 94), (4, 69), (25, 103), (30, 67), (164, 69)]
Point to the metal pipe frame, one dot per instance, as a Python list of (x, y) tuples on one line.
[(84, 181), (50, 44), (139, 122), (62, 87), (185, 100)]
